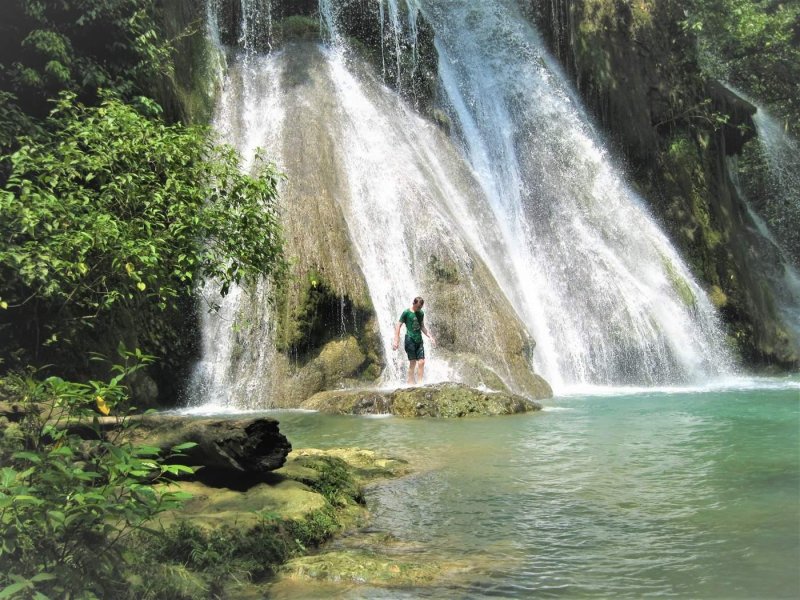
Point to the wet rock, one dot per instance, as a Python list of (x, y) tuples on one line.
[(440, 400), (360, 567), (365, 465)]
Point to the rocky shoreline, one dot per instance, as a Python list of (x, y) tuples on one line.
[(301, 516)]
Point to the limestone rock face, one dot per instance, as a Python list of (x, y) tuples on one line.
[(446, 400)]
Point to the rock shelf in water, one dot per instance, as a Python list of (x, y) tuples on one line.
[(446, 400)]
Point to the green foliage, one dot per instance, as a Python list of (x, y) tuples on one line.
[(335, 482), (69, 502), (79, 46), (224, 553), (110, 207), (228, 553), (755, 46)]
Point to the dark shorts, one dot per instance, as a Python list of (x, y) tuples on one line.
[(414, 350)]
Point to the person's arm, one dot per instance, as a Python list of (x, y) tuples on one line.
[(426, 332), (396, 341)]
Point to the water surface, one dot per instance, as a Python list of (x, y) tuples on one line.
[(680, 493)]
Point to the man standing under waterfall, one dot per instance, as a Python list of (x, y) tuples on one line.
[(414, 320)]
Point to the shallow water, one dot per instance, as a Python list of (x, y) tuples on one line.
[(682, 493)]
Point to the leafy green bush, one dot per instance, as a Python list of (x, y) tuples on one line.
[(110, 207), (71, 494), (78, 46)]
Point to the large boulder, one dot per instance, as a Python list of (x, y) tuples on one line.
[(440, 400)]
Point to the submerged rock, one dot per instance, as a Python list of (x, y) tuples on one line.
[(360, 567), (438, 400)]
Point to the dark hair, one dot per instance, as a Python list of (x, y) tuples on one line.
[(419, 300)]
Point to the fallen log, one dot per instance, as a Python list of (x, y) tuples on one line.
[(16, 411), (247, 446), (250, 446)]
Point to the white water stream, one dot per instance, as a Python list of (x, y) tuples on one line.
[(775, 215), (532, 194)]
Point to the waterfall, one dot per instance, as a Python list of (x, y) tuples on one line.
[(782, 152), (782, 208), (605, 295), (237, 331), (540, 233), (773, 204)]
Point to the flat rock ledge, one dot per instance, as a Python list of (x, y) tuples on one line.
[(442, 400)]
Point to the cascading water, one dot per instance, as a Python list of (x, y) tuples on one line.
[(605, 295), (775, 215), (237, 331), (782, 153), (530, 213)]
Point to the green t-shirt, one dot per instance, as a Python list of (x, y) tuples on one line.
[(413, 322)]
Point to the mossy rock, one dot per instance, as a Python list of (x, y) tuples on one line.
[(341, 358), (339, 361), (299, 27), (235, 540), (361, 567), (457, 400), (212, 507), (444, 400), (364, 465)]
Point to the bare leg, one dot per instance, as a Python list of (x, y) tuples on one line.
[(412, 365), (420, 370)]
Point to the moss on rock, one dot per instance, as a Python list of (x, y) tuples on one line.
[(446, 400), (358, 566), (227, 543)]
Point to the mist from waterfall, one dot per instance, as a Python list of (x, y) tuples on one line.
[(523, 185)]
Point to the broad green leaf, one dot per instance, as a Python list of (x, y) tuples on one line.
[(14, 588), (183, 446), (30, 456)]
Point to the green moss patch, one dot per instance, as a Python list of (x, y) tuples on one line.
[(228, 543), (445, 400)]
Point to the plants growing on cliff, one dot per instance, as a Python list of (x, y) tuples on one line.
[(79, 46), (755, 46), (69, 502), (108, 206)]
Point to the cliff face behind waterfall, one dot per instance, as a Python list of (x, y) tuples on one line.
[(637, 69), (372, 112)]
